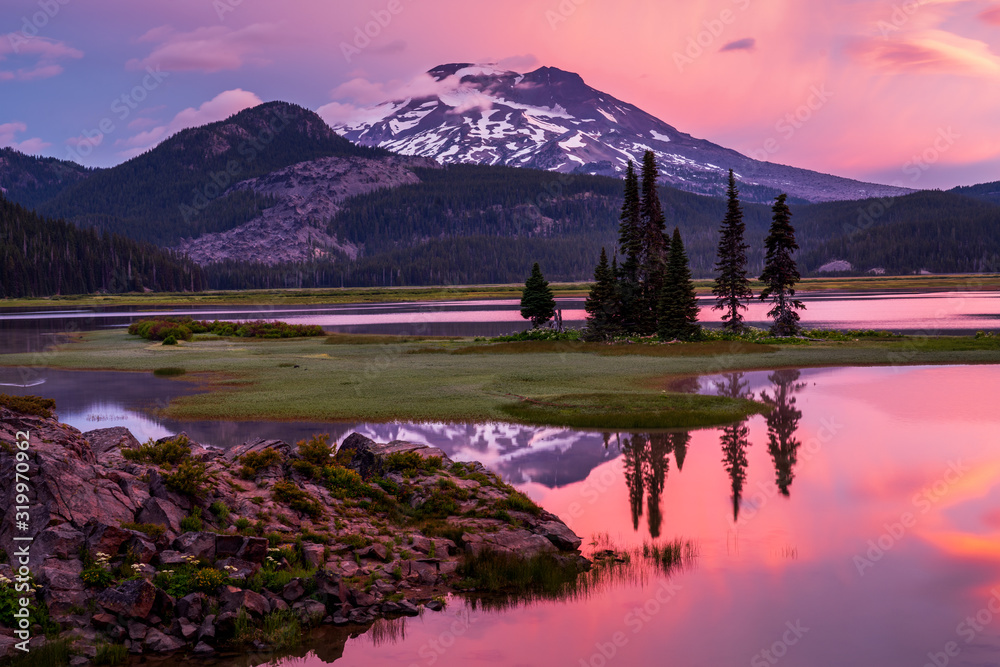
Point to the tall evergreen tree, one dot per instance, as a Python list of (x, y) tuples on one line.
[(630, 244), (537, 302), (780, 272), (653, 260), (732, 287), (678, 302), (602, 304)]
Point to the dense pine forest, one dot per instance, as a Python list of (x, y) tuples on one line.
[(40, 257)]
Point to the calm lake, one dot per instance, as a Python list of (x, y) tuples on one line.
[(945, 312), (859, 524)]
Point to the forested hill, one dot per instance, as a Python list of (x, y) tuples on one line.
[(985, 191), (31, 181), (40, 257), (176, 190)]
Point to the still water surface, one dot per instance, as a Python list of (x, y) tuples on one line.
[(857, 525)]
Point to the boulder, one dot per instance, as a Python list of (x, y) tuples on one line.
[(187, 629), (310, 612), (254, 549), (559, 534), (201, 648), (192, 607), (293, 590), (519, 541), (161, 512), (102, 538), (368, 456), (233, 599), (207, 628), (315, 554), (228, 545), (136, 630), (141, 547), (157, 642), (62, 541), (103, 440), (376, 550), (257, 446), (168, 558), (198, 544), (237, 568), (133, 598)]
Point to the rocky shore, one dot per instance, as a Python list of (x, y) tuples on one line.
[(177, 547)]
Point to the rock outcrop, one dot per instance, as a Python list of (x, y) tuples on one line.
[(164, 557)]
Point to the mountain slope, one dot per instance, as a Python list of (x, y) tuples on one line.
[(179, 188), (550, 119), (984, 191), (30, 181)]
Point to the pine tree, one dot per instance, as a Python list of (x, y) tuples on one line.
[(602, 303), (653, 259), (630, 244), (537, 302), (678, 302), (732, 287), (780, 272)]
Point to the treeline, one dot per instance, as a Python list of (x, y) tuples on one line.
[(40, 257)]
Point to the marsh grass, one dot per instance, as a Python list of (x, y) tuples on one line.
[(378, 383)]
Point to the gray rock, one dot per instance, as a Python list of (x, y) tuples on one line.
[(62, 541), (293, 590), (201, 648), (207, 628), (310, 612), (158, 642), (168, 557), (161, 512), (133, 598), (192, 607), (254, 549), (102, 538), (233, 599), (559, 534), (228, 545), (237, 568), (103, 440), (136, 630), (187, 629), (368, 456), (199, 544)]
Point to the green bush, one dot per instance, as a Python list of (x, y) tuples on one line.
[(536, 334), (519, 502), (166, 453), (29, 405), (297, 499), (189, 478), (409, 463), (316, 450), (193, 522), (345, 483), (219, 509), (154, 530), (254, 462)]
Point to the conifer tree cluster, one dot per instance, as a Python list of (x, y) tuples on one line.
[(651, 292)]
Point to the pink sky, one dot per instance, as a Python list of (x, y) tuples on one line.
[(894, 76)]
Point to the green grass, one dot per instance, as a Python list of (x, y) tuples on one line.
[(53, 654), (506, 573), (398, 381)]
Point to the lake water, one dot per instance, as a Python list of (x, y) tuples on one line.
[(858, 525), (945, 312)]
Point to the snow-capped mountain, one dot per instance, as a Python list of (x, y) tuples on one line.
[(550, 119)]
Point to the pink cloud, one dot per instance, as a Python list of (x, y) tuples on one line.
[(933, 51), (8, 133), (220, 107), (991, 15), (209, 49), (40, 56)]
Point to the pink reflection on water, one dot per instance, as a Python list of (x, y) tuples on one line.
[(888, 540)]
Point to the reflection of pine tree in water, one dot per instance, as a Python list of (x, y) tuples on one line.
[(646, 468), (634, 451), (735, 439), (782, 422)]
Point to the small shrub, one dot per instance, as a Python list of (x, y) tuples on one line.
[(166, 453), (297, 499), (408, 463), (170, 340), (154, 530), (316, 450), (193, 522), (242, 524), (190, 478), (345, 483), (219, 509), (519, 502), (29, 405), (254, 462)]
